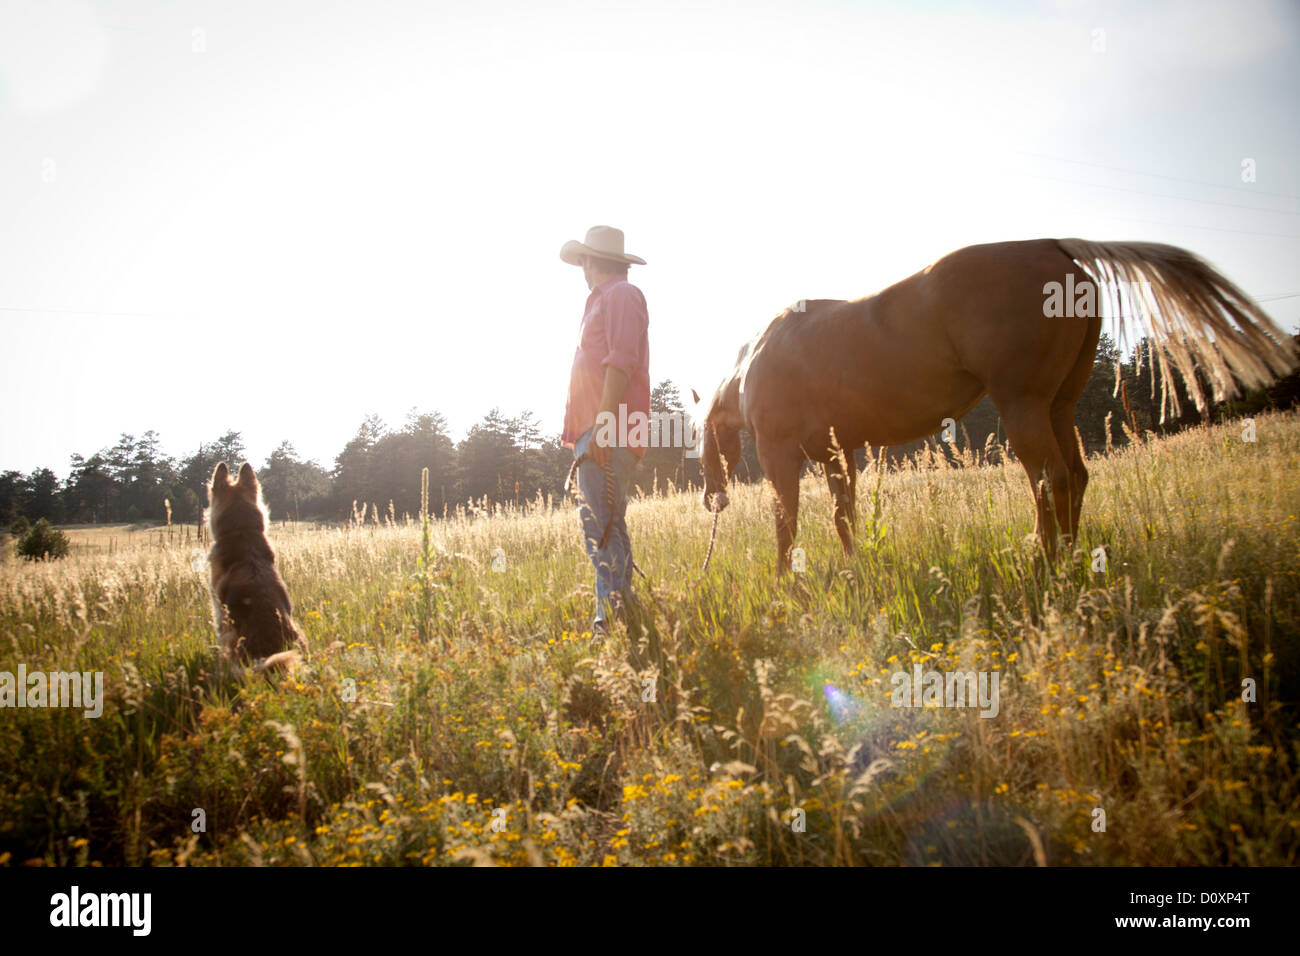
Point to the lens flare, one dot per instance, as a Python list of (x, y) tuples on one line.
[(843, 707)]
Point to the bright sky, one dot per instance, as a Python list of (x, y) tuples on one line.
[(279, 216)]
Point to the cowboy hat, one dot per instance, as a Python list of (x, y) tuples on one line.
[(602, 242)]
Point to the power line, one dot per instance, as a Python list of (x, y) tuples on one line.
[(1139, 172), (1146, 192), (1186, 225), (137, 315)]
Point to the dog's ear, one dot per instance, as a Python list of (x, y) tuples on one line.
[(220, 476), (248, 480), (696, 396)]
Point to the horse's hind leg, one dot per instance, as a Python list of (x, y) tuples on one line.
[(843, 487), (1063, 405), (1069, 510), (1029, 426)]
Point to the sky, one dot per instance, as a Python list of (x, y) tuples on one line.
[(278, 216)]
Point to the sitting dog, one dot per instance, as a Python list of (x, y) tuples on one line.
[(250, 605)]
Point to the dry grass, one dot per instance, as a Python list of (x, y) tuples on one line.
[(506, 737)]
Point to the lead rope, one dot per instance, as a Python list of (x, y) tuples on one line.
[(571, 487), (713, 536)]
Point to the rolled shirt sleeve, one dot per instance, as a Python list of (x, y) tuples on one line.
[(626, 322)]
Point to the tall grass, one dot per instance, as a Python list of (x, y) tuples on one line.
[(453, 713)]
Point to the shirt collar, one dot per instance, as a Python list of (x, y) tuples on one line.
[(603, 288)]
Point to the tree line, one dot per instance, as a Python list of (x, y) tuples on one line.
[(500, 460), (504, 460)]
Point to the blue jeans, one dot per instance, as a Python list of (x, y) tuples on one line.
[(613, 563)]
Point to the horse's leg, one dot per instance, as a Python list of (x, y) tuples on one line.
[(1063, 406), (1029, 426), (782, 468), (842, 484), (1069, 505)]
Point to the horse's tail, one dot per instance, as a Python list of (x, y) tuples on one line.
[(1187, 310), (276, 662)]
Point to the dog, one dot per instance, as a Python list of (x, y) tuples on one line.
[(250, 604)]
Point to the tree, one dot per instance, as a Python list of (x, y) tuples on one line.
[(191, 488), (1098, 399), (534, 472), (554, 460), (88, 494), (423, 443), (292, 487), (42, 498), (146, 478), (668, 462), (489, 458), (352, 468), (43, 543), (11, 503)]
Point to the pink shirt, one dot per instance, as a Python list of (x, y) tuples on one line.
[(613, 333)]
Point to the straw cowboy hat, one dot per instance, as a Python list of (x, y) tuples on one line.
[(602, 242)]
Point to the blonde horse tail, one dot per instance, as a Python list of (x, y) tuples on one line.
[(1192, 315), (279, 661)]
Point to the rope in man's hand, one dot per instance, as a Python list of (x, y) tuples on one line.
[(570, 483), (572, 487)]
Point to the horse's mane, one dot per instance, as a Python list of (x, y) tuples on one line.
[(724, 406), (726, 398)]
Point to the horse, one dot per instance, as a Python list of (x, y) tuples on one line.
[(1018, 321)]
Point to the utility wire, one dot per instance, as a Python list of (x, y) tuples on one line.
[(1147, 192), (1139, 172), (137, 315), (1187, 225)]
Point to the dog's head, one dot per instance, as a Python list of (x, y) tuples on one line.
[(235, 505)]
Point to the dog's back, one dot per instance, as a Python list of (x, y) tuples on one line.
[(251, 606)]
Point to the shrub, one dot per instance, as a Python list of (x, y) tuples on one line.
[(20, 527), (43, 543)]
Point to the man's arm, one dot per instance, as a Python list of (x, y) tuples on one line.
[(610, 397), (625, 330)]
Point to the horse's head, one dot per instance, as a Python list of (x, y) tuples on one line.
[(719, 455), (720, 444)]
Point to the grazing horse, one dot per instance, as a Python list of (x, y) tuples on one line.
[(1019, 321)]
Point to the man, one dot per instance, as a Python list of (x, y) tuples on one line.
[(609, 383)]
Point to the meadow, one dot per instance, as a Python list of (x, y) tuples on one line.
[(455, 710)]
